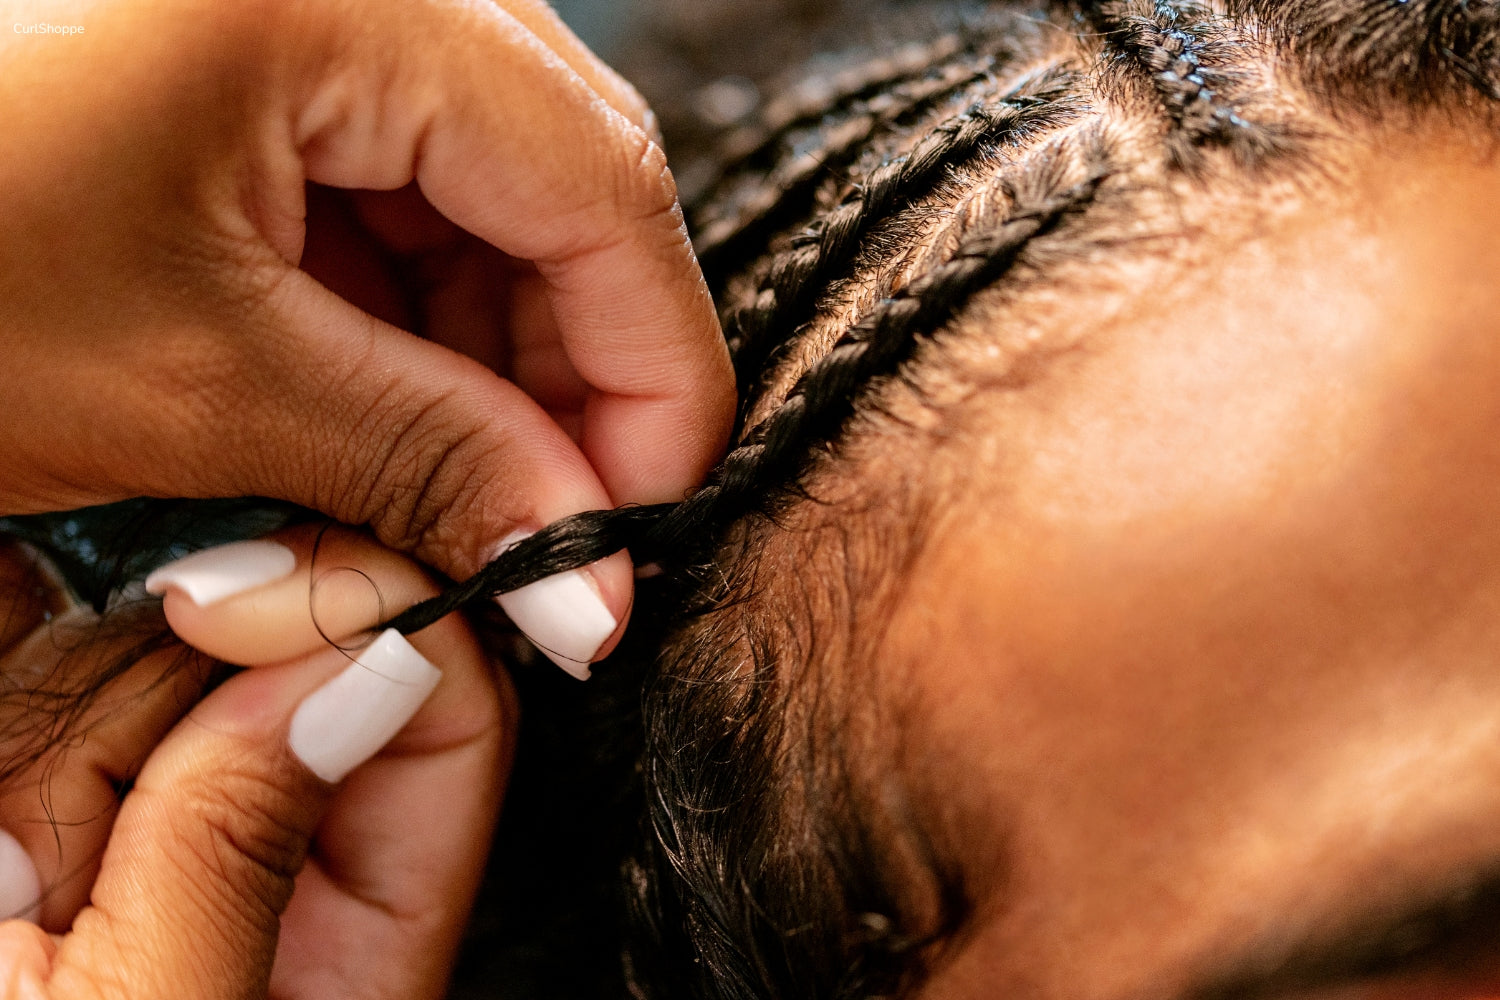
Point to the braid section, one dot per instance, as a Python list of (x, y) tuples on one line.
[(768, 468), (753, 147), (779, 451), (827, 249), (791, 185), (1187, 55)]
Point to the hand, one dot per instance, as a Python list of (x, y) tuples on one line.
[(247, 795), (466, 171)]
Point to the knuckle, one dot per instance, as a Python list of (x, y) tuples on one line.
[(423, 475), (241, 833), (627, 192), (637, 196), (650, 190)]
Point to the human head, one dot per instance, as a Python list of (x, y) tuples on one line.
[(1063, 648)]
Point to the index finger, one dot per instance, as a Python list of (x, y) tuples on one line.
[(509, 142)]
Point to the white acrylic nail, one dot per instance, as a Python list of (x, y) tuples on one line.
[(346, 721), (221, 572), (20, 887), (562, 615)]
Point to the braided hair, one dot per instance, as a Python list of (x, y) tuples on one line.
[(849, 251)]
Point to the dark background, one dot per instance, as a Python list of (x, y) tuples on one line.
[(707, 66), (598, 22)]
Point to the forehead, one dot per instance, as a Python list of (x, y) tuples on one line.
[(1211, 644)]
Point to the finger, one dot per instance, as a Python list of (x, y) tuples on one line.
[(25, 960), (202, 858), (565, 181), (305, 588), (330, 585), (538, 362), (75, 741), (401, 851), (374, 426), (380, 904), (539, 17)]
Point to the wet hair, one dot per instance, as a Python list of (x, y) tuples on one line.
[(854, 238)]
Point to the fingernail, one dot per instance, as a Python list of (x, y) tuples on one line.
[(562, 615), (212, 575), (20, 887), (346, 721)]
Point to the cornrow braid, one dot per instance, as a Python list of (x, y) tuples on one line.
[(763, 472), (1186, 52), (828, 247), (752, 147), (722, 241), (824, 398)]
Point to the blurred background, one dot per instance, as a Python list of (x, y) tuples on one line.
[(708, 66), (598, 22)]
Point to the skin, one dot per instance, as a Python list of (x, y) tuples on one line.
[(213, 257), (1210, 681), (221, 225), (230, 870)]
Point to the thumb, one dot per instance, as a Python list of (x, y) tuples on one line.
[(202, 859)]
